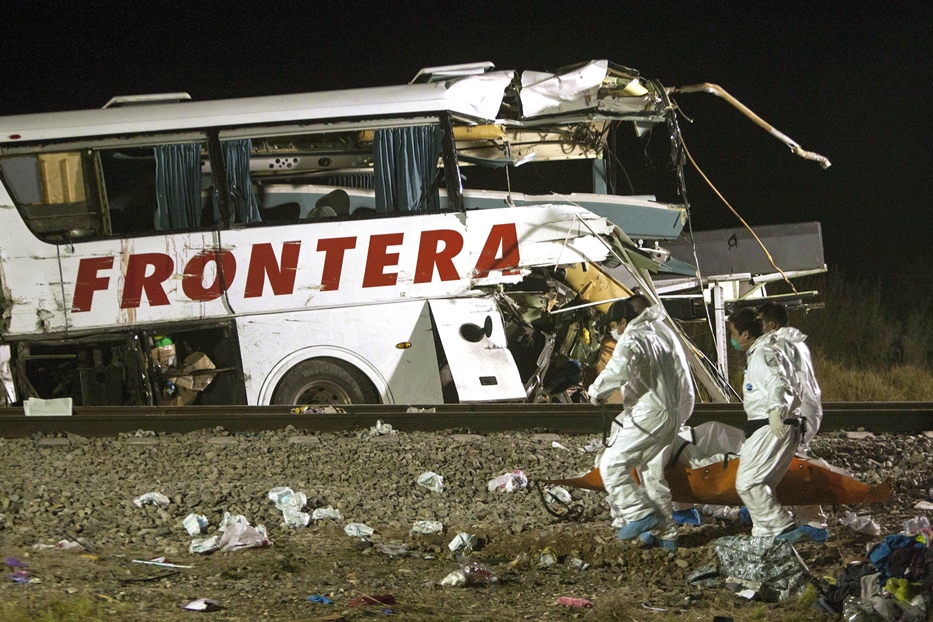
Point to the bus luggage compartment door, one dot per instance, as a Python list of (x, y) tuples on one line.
[(473, 337)]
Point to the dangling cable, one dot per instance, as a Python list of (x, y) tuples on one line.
[(732, 209)]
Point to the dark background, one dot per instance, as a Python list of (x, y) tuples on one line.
[(850, 81)]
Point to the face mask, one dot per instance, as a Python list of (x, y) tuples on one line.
[(735, 344), (615, 335)]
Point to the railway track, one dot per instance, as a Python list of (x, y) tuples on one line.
[(879, 417)]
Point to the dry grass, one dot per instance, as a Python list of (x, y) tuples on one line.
[(899, 383)]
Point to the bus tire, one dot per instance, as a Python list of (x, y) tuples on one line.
[(325, 381)]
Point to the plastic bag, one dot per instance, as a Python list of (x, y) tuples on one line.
[(431, 481), (508, 482), (469, 574), (151, 498), (861, 524), (239, 534), (358, 530)]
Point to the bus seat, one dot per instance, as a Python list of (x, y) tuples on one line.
[(338, 200), (284, 213)]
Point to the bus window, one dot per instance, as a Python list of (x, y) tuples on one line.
[(57, 193), (161, 188), (337, 175)]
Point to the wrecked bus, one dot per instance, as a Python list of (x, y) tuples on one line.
[(441, 241)]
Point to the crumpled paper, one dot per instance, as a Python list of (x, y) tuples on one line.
[(290, 503), (328, 512)]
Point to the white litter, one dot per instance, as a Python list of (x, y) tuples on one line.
[(915, 525), (556, 445), (508, 482), (427, 527), (290, 503), (65, 545), (561, 494), (923, 505), (861, 524), (462, 541), (431, 481), (239, 534), (159, 561), (358, 530), (194, 523), (328, 512), (202, 604), (593, 445), (380, 429), (151, 498)]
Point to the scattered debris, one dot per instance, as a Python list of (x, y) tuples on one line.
[(432, 481), (769, 567), (427, 527), (194, 523), (559, 493), (861, 524), (290, 503), (65, 545), (548, 557), (328, 512), (380, 429), (358, 530), (394, 550), (469, 574), (159, 561), (203, 604), (569, 601), (462, 541), (317, 410), (509, 482), (321, 600), (151, 498)]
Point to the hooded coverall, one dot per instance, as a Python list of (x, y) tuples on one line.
[(770, 384), (650, 367), (792, 343)]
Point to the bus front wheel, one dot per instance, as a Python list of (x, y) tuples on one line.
[(325, 381)]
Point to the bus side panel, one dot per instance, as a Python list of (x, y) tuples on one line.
[(30, 281), (161, 278), (393, 344)]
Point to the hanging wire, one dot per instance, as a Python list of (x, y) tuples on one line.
[(732, 209)]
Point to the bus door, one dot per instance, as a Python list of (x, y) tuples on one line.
[(473, 338)]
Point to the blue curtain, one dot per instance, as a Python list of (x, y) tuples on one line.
[(405, 168), (242, 198), (178, 186)]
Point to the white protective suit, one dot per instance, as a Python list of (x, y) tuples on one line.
[(792, 343), (770, 384), (650, 366)]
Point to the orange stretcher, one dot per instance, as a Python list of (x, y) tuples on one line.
[(805, 483)]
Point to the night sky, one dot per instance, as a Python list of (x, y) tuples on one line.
[(851, 81)]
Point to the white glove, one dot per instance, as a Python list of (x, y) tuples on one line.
[(594, 400), (776, 422)]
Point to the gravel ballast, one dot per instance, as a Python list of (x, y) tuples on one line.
[(82, 489)]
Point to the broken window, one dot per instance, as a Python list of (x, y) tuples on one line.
[(57, 193)]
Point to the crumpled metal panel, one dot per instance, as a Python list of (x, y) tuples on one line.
[(771, 567), (578, 89)]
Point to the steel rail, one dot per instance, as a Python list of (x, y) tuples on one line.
[(878, 417)]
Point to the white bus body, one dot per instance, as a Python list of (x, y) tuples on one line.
[(324, 247)]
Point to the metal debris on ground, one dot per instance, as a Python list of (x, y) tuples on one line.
[(432, 481), (328, 512), (358, 530), (290, 504), (509, 482)]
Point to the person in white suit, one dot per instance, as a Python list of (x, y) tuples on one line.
[(650, 367)]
